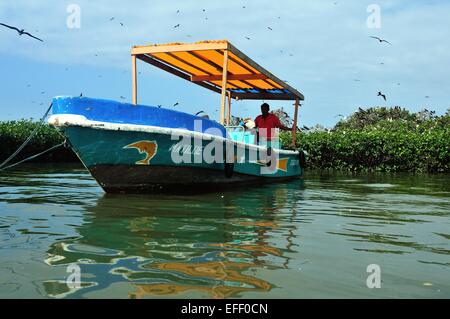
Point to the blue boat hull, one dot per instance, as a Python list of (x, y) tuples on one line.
[(142, 155)]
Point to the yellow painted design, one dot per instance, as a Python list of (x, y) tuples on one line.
[(150, 149), (281, 164)]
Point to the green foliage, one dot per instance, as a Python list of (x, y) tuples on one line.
[(377, 139), (14, 133), (381, 140)]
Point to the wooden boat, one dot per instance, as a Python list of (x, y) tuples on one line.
[(137, 148)]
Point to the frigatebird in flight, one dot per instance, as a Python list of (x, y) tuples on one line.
[(21, 31), (382, 95), (381, 40)]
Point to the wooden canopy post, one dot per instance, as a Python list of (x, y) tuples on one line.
[(224, 86), (134, 78), (294, 127), (229, 109)]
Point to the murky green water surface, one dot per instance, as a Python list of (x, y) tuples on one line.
[(304, 239)]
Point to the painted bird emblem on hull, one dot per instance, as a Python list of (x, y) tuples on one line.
[(150, 149)]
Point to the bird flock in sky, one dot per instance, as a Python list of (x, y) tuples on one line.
[(381, 41)]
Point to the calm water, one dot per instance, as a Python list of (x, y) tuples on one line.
[(311, 239)]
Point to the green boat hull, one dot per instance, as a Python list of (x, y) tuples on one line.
[(138, 161)]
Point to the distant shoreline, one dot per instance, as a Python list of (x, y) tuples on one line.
[(375, 140)]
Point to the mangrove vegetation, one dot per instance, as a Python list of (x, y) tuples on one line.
[(374, 139)]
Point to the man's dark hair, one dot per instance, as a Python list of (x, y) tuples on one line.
[(265, 105)]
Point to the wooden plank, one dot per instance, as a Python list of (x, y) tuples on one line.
[(219, 69), (264, 96), (198, 68), (294, 127), (134, 79), (230, 77), (230, 58), (241, 63), (179, 47), (224, 86), (255, 65), (206, 60), (229, 109), (176, 72)]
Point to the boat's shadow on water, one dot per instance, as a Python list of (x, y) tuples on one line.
[(193, 190), (213, 245)]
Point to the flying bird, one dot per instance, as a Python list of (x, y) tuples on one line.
[(270, 28), (381, 40), (177, 26), (122, 97), (247, 38), (81, 94), (382, 95), (121, 24), (21, 32), (112, 18), (199, 113), (175, 104)]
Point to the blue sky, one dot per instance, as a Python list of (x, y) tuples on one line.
[(326, 47)]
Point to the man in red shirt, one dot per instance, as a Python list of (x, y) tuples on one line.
[(267, 123)]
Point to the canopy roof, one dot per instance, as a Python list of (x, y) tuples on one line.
[(203, 63)]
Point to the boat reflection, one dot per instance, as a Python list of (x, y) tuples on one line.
[(214, 246)]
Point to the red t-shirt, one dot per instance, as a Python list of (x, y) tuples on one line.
[(265, 125)]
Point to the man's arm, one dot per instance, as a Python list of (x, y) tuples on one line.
[(256, 121), (285, 128), (281, 126)]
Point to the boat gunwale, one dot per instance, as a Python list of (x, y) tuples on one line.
[(67, 120)]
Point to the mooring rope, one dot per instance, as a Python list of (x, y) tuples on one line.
[(26, 141), (33, 156)]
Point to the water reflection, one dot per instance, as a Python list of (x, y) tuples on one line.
[(212, 246), (289, 240)]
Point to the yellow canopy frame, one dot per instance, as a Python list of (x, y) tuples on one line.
[(217, 66)]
